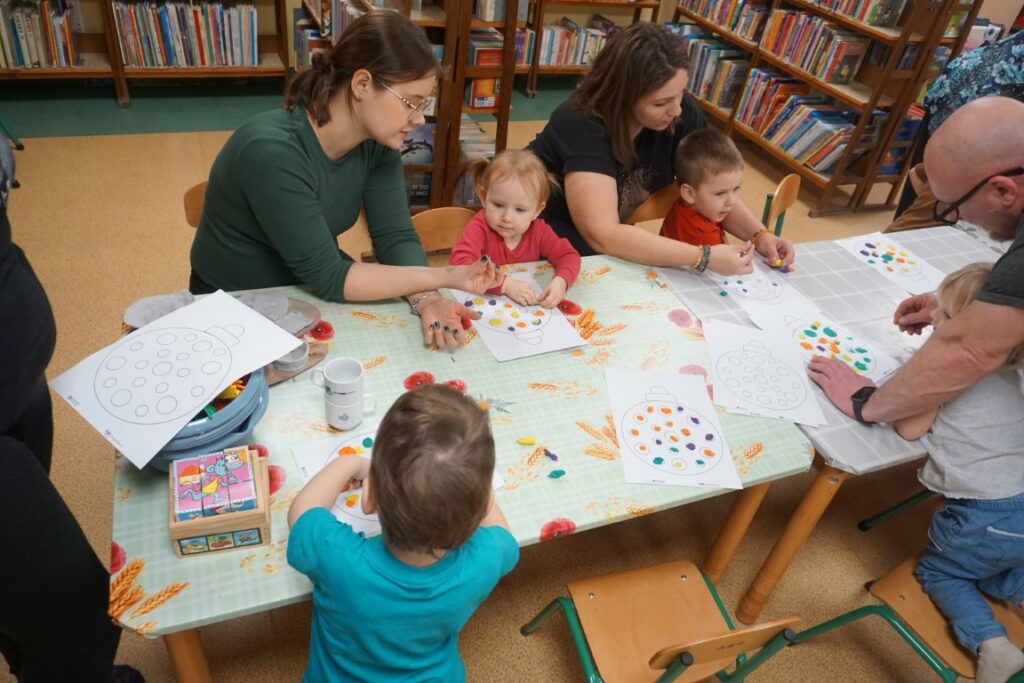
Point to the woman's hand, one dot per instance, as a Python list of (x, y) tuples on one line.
[(727, 259), (519, 291), (476, 277), (554, 292), (441, 319), (915, 313), (776, 251)]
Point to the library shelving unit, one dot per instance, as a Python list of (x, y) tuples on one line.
[(538, 8), (886, 88), (101, 58)]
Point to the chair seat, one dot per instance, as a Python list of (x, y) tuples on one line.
[(900, 590), (630, 615)]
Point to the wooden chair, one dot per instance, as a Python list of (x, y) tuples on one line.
[(438, 229), (913, 615), (656, 206), (776, 203), (194, 198), (660, 623)]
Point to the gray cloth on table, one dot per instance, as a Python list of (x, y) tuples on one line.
[(145, 311), (276, 308)]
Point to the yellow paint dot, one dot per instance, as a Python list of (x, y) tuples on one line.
[(495, 322), (526, 441)]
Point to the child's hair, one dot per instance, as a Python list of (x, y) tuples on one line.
[(431, 470), (960, 288), (521, 164), (704, 153)]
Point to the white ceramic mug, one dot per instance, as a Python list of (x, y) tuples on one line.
[(345, 416), (341, 379)]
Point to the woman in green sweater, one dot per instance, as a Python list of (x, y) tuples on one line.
[(289, 181)]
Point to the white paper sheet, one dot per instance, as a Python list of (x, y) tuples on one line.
[(668, 430), (760, 373), (815, 333), (313, 457), (143, 389), (512, 331), (763, 289), (893, 260)]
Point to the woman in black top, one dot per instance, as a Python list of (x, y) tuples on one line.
[(611, 145)]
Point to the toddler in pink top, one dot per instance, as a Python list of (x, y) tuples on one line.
[(513, 189)]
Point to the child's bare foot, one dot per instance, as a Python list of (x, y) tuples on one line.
[(998, 659)]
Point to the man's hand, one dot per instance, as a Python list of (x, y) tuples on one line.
[(915, 313), (519, 291), (441, 319), (838, 380)]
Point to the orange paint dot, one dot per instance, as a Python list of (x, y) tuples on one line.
[(640, 418), (351, 501), (634, 431), (708, 453), (642, 448), (673, 438), (667, 411), (347, 450), (670, 423), (657, 428), (520, 324), (686, 432), (806, 345), (650, 409)]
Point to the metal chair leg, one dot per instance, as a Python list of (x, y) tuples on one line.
[(575, 630), (885, 515), (14, 138)]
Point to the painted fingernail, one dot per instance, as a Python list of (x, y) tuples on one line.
[(447, 329), (456, 331)]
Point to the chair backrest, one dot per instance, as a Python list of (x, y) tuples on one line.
[(785, 194), (439, 228), (656, 205), (723, 648), (900, 590), (194, 198)]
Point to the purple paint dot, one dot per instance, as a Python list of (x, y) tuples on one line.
[(657, 441), (469, 304), (679, 409), (870, 245), (492, 302), (709, 437), (694, 420), (690, 446), (863, 252), (511, 329), (821, 348)]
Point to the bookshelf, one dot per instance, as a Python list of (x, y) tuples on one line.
[(100, 57), (537, 12), (873, 103)]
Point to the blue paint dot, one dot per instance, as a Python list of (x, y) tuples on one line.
[(492, 302), (690, 447), (368, 442)]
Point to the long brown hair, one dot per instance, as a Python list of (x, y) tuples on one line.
[(431, 470), (637, 60), (388, 45)]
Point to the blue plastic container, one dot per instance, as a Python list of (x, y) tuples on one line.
[(231, 426)]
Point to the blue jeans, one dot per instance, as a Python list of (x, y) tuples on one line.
[(974, 546)]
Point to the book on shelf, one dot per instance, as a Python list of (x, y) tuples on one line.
[(482, 93), (815, 45), (418, 146), (494, 10), (38, 34)]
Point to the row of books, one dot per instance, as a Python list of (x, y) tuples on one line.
[(569, 43), (487, 46), (878, 54), (883, 13), (717, 70), (474, 143), (743, 18), (179, 35), (37, 34), (819, 47)]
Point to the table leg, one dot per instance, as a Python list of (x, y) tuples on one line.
[(801, 524), (733, 531), (186, 651)]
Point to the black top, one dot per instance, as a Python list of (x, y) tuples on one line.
[(27, 329), (573, 141), (1005, 286)]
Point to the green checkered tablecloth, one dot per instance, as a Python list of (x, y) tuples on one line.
[(630, 320)]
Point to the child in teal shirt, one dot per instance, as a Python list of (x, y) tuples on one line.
[(391, 607)]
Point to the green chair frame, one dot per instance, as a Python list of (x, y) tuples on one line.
[(786, 192), (744, 665), (885, 515)]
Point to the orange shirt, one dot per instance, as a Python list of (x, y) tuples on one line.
[(686, 225)]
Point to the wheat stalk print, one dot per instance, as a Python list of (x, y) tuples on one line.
[(606, 441), (125, 579), (161, 596), (125, 601), (125, 594)]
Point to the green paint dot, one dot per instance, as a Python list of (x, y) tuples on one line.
[(368, 442), (556, 474), (887, 257), (810, 333), (830, 332), (674, 449), (860, 350), (739, 282), (659, 460), (860, 366), (723, 293), (699, 462)]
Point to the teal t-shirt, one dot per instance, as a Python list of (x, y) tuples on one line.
[(276, 203), (378, 619)]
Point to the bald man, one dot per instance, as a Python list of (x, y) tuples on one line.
[(975, 161)]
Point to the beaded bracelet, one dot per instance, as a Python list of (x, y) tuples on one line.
[(414, 304), (757, 235), (702, 261)]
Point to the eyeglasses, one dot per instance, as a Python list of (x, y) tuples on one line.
[(950, 213), (414, 109)]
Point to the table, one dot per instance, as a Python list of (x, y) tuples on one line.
[(630, 319), (863, 300)]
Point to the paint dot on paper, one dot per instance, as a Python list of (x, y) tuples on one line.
[(658, 460), (699, 462)]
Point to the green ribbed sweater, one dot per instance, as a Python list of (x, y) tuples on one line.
[(276, 203)]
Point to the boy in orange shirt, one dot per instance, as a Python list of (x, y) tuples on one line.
[(709, 169)]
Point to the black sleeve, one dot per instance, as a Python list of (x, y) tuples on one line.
[(1005, 287)]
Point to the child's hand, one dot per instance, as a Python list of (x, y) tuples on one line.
[(776, 251), (554, 292), (727, 259), (520, 292)]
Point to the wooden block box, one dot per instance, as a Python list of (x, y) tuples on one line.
[(219, 501)]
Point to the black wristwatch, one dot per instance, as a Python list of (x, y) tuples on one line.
[(859, 399)]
